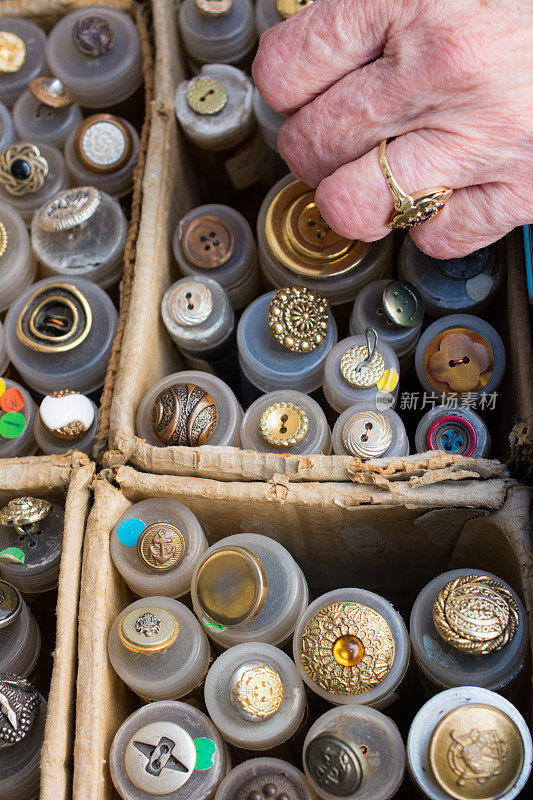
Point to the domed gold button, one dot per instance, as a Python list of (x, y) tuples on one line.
[(184, 415), (348, 650), (12, 52), (161, 546), (231, 585)]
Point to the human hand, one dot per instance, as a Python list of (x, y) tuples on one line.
[(451, 80)]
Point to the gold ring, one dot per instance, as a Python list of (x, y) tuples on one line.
[(411, 209)]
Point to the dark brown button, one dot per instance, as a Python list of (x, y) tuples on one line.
[(92, 35), (184, 415), (207, 242)]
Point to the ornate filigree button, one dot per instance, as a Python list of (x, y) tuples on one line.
[(207, 242), (12, 52), (93, 35), (367, 434), (103, 143), (284, 424), (56, 318), (24, 514), (69, 208), (52, 92), (206, 96), (148, 629), (22, 169), (184, 415), (298, 318), (161, 546), (66, 414), (190, 303), (255, 690), (19, 707)]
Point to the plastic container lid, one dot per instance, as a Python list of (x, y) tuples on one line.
[(224, 39), (20, 637), (17, 264), (266, 15), (4, 360), (35, 121), (269, 121), (7, 129), (251, 776)]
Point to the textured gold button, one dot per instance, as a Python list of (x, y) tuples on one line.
[(148, 629), (12, 52), (214, 8), (359, 370), (476, 752), (52, 92), (231, 585), (367, 434), (255, 690), (103, 143), (207, 242), (286, 8), (25, 513), (161, 546), (68, 208), (298, 318), (23, 169), (56, 318), (283, 424), (184, 415), (206, 96)]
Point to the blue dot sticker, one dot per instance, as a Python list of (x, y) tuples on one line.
[(129, 531)]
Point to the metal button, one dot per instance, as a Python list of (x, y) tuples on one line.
[(403, 304), (51, 91), (184, 415), (284, 424), (69, 208), (298, 318), (10, 603), (161, 546), (231, 586), (458, 360), (214, 8), (207, 242), (267, 785), (93, 35), (25, 513), (367, 434), (206, 96), (148, 629), (160, 758), (255, 690), (12, 52), (19, 708), (333, 764), (3, 237), (66, 414), (476, 752), (287, 8), (103, 143), (190, 303), (358, 369), (23, 169), (56, 318)]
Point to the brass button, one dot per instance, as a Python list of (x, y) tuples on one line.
[(19, 708), (184, 415), (207, 242), (52, 92), (231, 586), (161, 546), (69, 208), (56, 318), (403, 304), (148, 629), (10, 603), (66, 414), (214, 8), (284, 424), (476, 752), (476, 614), (302, 241), (286, 8), (206, 96), (358, 370), (298, 318), (255, 690), (367, 434), (334, 764), (12, 52), (93, 35), (3, 239), (190, 303), (23, 169), (103, 143), (25, 513), (459, 360)]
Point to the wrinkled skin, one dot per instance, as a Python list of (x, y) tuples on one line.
[(452, 80)]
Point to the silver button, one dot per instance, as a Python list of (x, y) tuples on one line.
[(160, 758)]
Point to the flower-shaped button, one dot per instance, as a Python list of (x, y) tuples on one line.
[(459, 362)]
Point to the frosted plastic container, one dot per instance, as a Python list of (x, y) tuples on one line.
[(17, 265), (36, 569), (93, 250), (229, 410), (354, 741), (194, 739), (55, 181), (376, 263), (52, 444), (455, 430), (341, 395), (12, 84), (443, 665), (142, 579), (316, 440), (20, 638), (4, 360), (168, 673), (245, 722), (266, 15), (101, 81), (285, 600), (467, 325), (451, 285), (17, 417), (269, 121), (81, 368), (386, 436), (433, 711), (224, 39), (20, 765), (239, 274), (118, 183), (383, 692), (7, 129), (35, 121), (255, 774), (270, 366)]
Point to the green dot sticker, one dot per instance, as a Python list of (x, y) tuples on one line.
[(13, 554), (210, 624), (205, 753), (12, 424)]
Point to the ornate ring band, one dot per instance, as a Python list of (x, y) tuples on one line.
[(411, 209)]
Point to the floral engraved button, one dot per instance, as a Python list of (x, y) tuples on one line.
[(148, 629), (298, 318)]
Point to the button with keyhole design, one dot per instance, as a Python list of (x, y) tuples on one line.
[(207, 242)]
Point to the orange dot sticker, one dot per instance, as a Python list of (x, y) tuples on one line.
[(12, 400)]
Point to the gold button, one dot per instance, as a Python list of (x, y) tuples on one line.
[(23, 169), (52, 92), (3, 239), (12, 52), (103, 143), (206, 96), (184, 415), (298, 318), (358, 371), (56, 318), (476, 752), (283, 424), (231, 586), (148, 629), (214, 8), (286, 8), (161, 546), (367, 434), (255, 690), (302, 241), (207, 242)]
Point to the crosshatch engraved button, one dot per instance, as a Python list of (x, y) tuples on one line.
[(66, 414), (357, 370), (403, 304), (22, 169), (459, 360), (190, 303), (283, 424), (184, 415), (367, 434), (214, 8), (10, 604), (334, 764), (347, 648), (52, 92), (3, 238), (298, 318), (19, 707), (207, 241), (148, 629), (56, 318), (25, 513), (103, 143), (302, 241), (69, 208), (12, 52), (161, 546), (160, 758), (206, 96), (93, 35), (231, 585), (268, 786), (476, 752), (476, 614), (287, 8), (255, 690)]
